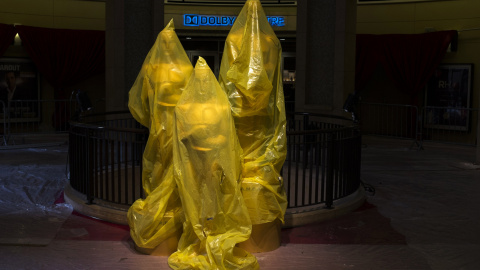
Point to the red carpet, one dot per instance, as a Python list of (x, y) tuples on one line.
[(80, 227), (364, 226)]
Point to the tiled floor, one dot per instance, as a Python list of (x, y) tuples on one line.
[(424, 213)]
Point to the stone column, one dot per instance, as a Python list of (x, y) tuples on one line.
[(325, 74), (477, 159), (131, 30)]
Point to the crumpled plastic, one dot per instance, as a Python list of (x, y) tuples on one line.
[(152, 100), (250, 74), (30, 182), (207, 167)]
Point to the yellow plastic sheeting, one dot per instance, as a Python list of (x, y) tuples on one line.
[(152, 100), (207, 167), (251, 76)]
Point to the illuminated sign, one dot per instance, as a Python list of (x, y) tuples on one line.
[(210, 20), (222, 20), (276, 20)]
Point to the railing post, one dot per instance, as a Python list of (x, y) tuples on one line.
[(6, 122), (477, 160), (71, 157), (89, 167), (306, 118), (5, 112), (418, 141), (329, 172)]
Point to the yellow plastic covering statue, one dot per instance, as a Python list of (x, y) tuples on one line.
[(152, 100), (251, 76), (207, 167)]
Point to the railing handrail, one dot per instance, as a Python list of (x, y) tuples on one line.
[(106, 113), (321, 115), (107, 128), (450, 107), (309, 131), (388, 104), (423, 106), (290, 113), (316, 131)]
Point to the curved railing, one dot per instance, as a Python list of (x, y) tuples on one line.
[(105, 156), (322, 164), (323, 159)]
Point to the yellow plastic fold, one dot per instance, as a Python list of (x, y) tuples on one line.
[(207, 167), (251, 75), (152, 100)]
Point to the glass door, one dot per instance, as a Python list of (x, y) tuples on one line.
[(289, 69), (210, 57)]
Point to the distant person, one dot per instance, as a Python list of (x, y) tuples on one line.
[(7, 91), (11, 90)]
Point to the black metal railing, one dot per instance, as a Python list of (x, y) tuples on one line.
[(105, 158), (438, 124), (29, 118), (5, 124), (322, 164), (323, 159)]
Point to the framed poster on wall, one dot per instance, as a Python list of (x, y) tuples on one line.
[(447, 97), (19, 90)]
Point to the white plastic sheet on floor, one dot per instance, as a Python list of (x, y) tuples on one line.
[(30, 182)]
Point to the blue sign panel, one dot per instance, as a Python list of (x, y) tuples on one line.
[(276, 20), (210, 20), (222, 20)]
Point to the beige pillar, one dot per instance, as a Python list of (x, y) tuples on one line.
[(477, 160), (131, 30), (326, 32)]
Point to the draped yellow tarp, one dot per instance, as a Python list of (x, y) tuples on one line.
[(250, 74), (152, 100), (207, 167)]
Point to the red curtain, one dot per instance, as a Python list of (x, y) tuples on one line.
[(409, 60), (7, 36), (367, 59), (64, 57)]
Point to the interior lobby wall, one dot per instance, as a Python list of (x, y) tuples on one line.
[(59, 14), (66, 14), (422, 17)]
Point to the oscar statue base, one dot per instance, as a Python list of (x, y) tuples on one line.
[(166, 248), (265, 237)]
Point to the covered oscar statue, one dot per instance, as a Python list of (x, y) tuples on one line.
[(207, 167), (250, 74), (155, 222)]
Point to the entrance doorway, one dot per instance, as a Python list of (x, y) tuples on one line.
[(211, 57)]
